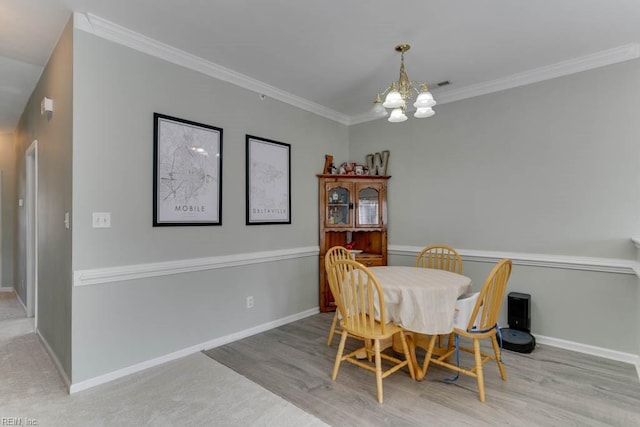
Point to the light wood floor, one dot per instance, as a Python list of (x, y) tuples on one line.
[(549, 387)]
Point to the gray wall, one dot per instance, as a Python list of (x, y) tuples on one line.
[(116, 325), (54, 197), (8, 206), (546, 168), (567, 148), (549, 168)]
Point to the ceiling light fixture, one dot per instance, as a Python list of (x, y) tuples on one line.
[(400, 92)]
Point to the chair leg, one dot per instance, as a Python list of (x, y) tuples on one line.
[(334, 323), (479, 373), (376, 347), (409, 356), (496, 350), (336, 365), (427, 357)]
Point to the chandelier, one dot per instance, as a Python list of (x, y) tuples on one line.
[(401, 92)]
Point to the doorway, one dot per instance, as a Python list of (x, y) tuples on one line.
[(1, 230), (31, 210)]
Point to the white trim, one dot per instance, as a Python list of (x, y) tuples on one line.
[(564, 68), (92, 382), (636, 242), (606, 265), (6, 289), (24, 306), (110, 31), (116, 33), (140, 271), (590, 349), (31, 218), (102, 379), (55, 360), (572, 66)]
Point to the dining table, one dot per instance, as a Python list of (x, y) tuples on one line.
[(422, 301)]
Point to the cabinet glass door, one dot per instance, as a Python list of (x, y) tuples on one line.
[(338, 206), (368, 206)]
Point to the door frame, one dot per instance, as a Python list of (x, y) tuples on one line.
[(1, 284), (31, 219)]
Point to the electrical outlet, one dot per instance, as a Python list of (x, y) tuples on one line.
[(250, 302)]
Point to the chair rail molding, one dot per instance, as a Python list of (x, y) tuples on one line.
[(140, 271), (606, 265)]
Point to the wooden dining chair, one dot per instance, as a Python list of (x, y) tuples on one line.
[(334, 254), (482, 324), (440, 257), (359, 295)]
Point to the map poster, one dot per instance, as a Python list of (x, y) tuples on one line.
[(187, 186), (268, 181)]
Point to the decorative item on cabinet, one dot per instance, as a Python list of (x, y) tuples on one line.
[(353, 214), (328, 163), (377, 163)]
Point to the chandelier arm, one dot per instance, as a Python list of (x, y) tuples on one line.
[(402, 91)]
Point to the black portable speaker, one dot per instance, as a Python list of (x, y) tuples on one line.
[(519, 311)]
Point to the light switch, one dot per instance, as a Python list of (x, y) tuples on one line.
[(102, 220), (20, 202), (66, 220)]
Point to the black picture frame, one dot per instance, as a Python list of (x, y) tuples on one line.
[(187, 172), (268, 181)]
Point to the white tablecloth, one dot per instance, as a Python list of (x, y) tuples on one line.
[(421, 300)]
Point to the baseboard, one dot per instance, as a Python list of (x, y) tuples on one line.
[(120, 373), (56, 362), (24, 306), (7, 289), (592, 350), (102, 379)]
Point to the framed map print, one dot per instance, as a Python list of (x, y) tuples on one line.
[(268, 181), (187, 172)]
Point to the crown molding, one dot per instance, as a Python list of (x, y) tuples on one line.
[(605, 265), (564, 68), (108, 30)]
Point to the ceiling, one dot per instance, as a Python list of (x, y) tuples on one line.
[(335, 54)]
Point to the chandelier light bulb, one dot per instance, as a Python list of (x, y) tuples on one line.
[(397, 116), (424, 112), (424, 100), (393, 100), (378, 109)]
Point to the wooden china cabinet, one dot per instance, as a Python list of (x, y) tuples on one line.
[(353, 213)]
